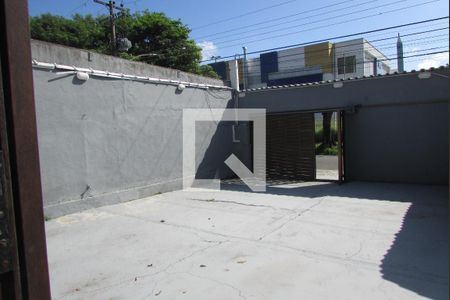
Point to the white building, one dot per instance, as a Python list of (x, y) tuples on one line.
[(317, 62)]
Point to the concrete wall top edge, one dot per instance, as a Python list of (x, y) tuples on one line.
[(54, 53), (380, 90)]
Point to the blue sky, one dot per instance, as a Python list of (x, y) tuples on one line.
[(275, 23)]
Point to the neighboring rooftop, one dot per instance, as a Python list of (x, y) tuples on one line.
[(352, 79)]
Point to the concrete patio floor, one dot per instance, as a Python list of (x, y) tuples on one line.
[(296, 241)]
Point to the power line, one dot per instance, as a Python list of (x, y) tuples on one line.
[(84, 3), (281, 18), (359, 62), (275, 19), (255, 63), (111, 5), (133, 1), (302, 24), (243, 15), (338, 37), (413, 27), (330, 65), (392, 56), (297, 25), (419, 50), (318, 27)]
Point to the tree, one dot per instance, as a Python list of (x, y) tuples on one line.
[(326, 123), (156, 39), (80, 32)]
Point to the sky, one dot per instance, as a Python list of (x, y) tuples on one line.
[(222, 28)]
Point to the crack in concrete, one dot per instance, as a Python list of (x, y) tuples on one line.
[(240, 293), (133, 278), (307, 253), (357, 252), (293, 217), (241, 203)]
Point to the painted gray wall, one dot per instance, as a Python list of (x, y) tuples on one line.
[(398, 144), (105, 141), (399, 134), (52, 53)]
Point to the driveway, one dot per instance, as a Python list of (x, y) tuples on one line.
[(296, 241), (327, 167)]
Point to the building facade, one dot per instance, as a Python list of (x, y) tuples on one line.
[(317, 62)]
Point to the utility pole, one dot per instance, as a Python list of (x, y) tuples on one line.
[(400, 63), (111, 5), (245, 67)]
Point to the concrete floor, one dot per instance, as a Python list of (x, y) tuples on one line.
[(296, 241)]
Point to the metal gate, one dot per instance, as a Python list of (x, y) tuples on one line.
[(290, 151)]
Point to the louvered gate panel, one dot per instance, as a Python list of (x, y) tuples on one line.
[(291, 147)]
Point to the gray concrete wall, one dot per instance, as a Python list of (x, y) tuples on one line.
[(105, 141), (52, 53), (399, 133), (398, 144)]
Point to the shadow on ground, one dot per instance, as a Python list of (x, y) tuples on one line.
[(418, 258)]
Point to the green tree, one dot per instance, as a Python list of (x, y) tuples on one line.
[(326, 121), (156, 39), (80, 32)]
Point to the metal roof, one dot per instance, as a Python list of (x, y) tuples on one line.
[(351, 79)]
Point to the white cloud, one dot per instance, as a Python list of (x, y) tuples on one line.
[(208, 49), (433, 61)]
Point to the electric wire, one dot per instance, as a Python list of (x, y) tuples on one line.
[(330, 65), (336, 37), (273, 20), (243, 15), (279, 56), (360, 62), (218, 40), (226, 43), (83, 4)]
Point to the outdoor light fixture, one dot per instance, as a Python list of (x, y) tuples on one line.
[(123, 44), (82, 76), (424, 75), (181, 87), (338, 85)]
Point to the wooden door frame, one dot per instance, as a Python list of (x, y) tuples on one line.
[(22, 184)]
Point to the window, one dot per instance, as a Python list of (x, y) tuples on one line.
[(346, 65), (350, 64), (341, 65)]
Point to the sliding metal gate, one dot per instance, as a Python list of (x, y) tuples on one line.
[(291, 147)]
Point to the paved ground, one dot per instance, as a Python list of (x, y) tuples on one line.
[(327, 167), (327, 162), (296, 241)]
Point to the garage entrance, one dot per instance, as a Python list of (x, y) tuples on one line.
[(291, 146), (290, 149)]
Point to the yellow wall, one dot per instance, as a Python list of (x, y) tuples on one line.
[(320, 55)]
